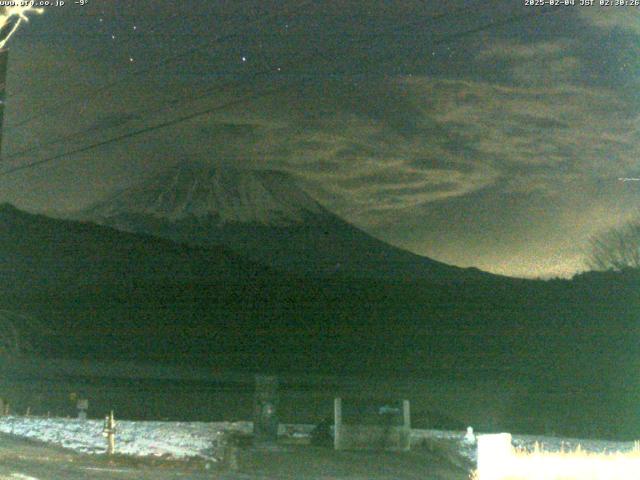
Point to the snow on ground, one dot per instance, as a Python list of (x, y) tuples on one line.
[(527, 442), (197, 439), (170, 439)]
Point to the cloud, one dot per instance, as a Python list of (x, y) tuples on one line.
[(626, 19), (364, 169), (374, 148), (523, 52), (561, 131), (538, 64)]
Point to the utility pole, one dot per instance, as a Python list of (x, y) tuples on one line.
[(4, 60)]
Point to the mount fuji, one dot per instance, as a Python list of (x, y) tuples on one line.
[(264, 216)]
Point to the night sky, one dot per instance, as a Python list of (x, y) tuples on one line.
[(503, 149)]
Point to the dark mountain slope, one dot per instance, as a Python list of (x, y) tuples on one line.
[(264, 216), (37, 252), (109, 295)]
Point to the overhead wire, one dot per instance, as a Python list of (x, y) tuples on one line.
[(219, 88), (55, 108), (187, 117)]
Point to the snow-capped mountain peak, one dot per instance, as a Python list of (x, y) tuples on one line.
[(262, 197), (262, 216)]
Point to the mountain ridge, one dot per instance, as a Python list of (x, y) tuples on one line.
[(267, 197), (289, 230)]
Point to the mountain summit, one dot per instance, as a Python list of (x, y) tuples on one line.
[(227, 195), (264, 216)]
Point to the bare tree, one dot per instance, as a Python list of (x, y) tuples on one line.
[(615, 249)]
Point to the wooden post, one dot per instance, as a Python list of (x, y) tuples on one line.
[(109, 432), (406, 414), (337, 423), (82, 405), (405, 443), (265, 416)]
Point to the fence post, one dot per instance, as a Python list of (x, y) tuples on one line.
[(337, 423), (265, 410), (405, 443), (109, 432), (82, 405)]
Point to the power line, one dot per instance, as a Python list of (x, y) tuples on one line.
[(150, 68), (219, 88), (191, 116), (109, 86), (182, 119), (145, 130)]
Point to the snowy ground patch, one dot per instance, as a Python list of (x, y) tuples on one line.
[(526, 442), (168, 439), (182, 440)]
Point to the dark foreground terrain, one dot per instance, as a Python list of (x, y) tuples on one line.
[(27, 460), (557, 356), (442, 400)]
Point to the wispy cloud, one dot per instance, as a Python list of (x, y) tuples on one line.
[(612, 18), (451, 138), (515, 121)]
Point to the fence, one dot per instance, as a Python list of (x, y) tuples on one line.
[(367, 424)]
